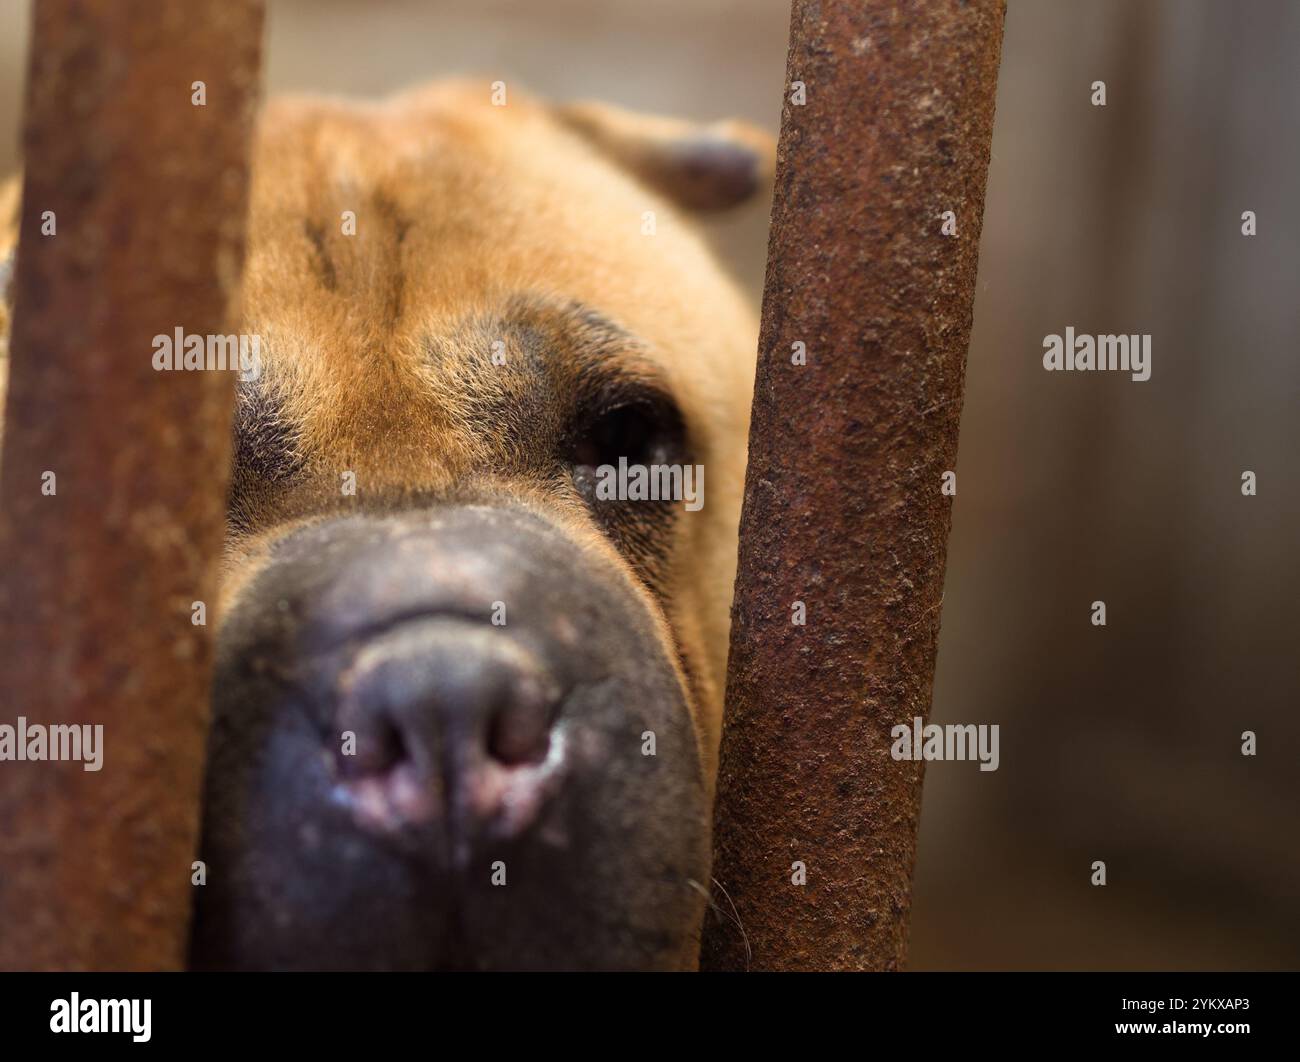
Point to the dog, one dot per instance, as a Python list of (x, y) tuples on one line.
[(467, 702)]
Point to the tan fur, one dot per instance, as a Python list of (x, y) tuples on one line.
[(10, 195), (462, 206)]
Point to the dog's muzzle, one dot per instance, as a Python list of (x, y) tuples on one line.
[(448, 739)]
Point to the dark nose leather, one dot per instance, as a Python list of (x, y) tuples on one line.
[(443, 718)]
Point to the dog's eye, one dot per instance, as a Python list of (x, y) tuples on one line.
[(642, 432), (631, 462)]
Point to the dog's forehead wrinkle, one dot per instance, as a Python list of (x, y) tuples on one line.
[(321, 260), (393, 216)]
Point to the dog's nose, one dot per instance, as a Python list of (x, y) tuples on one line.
[(444, 720)]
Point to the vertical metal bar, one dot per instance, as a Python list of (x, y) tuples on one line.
[(843, 509), (132, 226)]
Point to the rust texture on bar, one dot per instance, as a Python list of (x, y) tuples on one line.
[(843, 509), (148, 193)]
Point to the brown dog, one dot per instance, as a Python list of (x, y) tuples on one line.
[(467, 704)]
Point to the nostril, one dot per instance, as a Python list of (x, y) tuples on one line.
[(519, 731), (374, 748)]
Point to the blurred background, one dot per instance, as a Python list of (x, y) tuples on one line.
[(1119, 743)]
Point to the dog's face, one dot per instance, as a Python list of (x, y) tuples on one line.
[(467, 705)]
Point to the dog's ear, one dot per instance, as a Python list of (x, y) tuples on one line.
[(700, 167)]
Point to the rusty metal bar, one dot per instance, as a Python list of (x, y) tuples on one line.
[(132, 226), (843, 509)]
